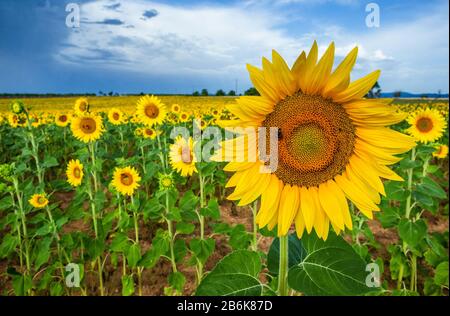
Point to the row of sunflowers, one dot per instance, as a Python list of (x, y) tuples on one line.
[(104, 201)]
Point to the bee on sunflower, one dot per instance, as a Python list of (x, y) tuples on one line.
[(38, 200), (126, 180), (116, 116), (182, 156), (427, 125), (333, 144), (74, 173), (87, 127), (151, 111)]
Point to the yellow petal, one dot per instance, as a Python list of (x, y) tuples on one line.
[(310, 63), (340, 78), (343, 205), (330, 205), (321, 72), (269, 201), (307, 208), (358, 88), (288, 208), (366, 172)]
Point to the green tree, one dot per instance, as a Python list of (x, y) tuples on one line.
[(232, 93), (251, 91), (196, 93), (204, 92), (220, 93)]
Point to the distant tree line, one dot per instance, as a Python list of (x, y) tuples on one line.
[(221, 92)]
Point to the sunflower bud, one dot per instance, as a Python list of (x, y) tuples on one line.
[(17, 107)]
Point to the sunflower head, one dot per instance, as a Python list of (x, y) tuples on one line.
[(441, 151), (126, 180), (74, 173), (176, 108), (150, 133), (116, 116), (81, 106), (87, 127), (38, 200), (182, 156), (62, 119), (427, 125), (332, 144), (17, 107), (183, 117), (151, 111), (216, 113), (166, 181)]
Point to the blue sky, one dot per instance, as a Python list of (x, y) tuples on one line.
[(179, 46)]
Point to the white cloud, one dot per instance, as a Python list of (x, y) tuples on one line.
[(217, 42)]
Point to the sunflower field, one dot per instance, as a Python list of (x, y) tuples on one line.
[(163, 195)]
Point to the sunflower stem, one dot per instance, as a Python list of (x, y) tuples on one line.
[(255, 226), (171, 235), (283, 268)]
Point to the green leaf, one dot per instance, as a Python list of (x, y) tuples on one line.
[(179, 249), (239, 237), (49, 162), (188, 202), (43, 230), (5, 203), (296, 253), (94, 247), (331, 267), (441, 274), (412, 232), (42, 252), (119, 243), (202, 248), (395, 191), (127, 285), (133, 255), (212, 210), (431, 188), (235, 275), (389, 217), (21, 284), (424, 199), (177, 281), (8, 245)]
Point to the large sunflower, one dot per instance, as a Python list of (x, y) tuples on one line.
[(333, 144), (62, 119), (87, 127), (427, 125), (151, 111), (116, 116), (74, 172), (182, 156), (81, 106), (126, 180), (38, 200)]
